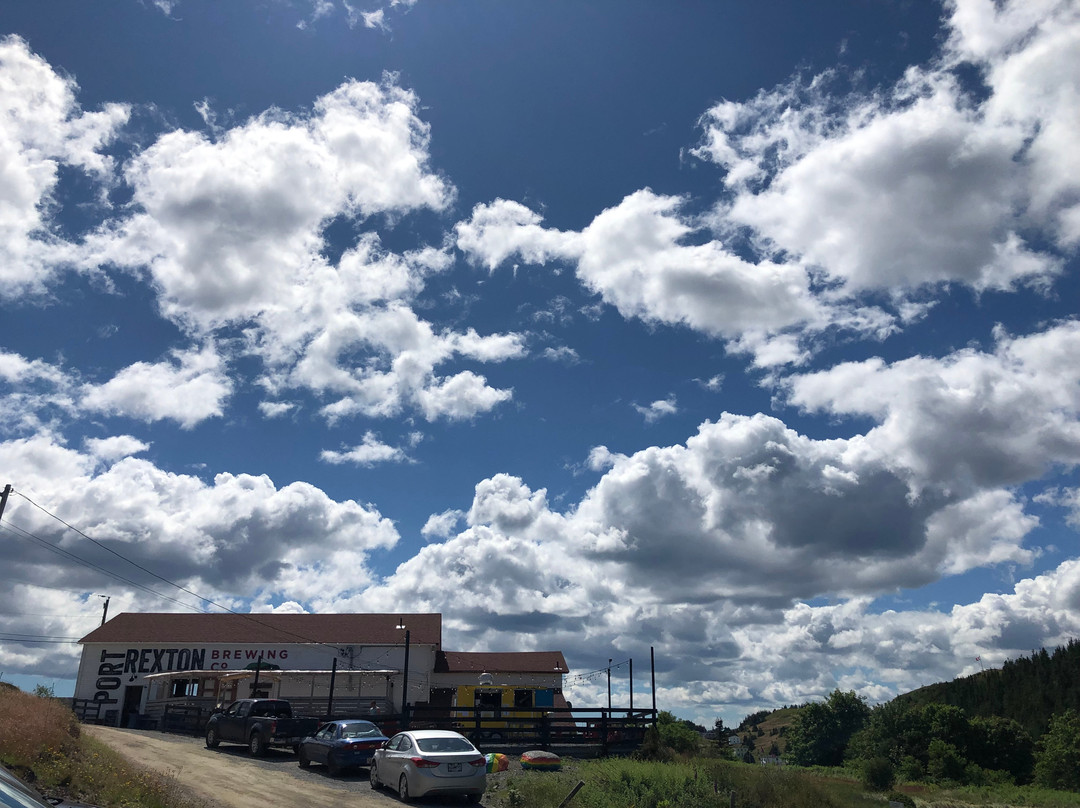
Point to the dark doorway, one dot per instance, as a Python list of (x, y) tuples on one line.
[(132, 699)]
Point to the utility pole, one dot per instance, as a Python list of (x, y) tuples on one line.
[(255, 684), (652, 667), (3, 499), (330, 701), (405, 685), (105, 610), (609, 684)]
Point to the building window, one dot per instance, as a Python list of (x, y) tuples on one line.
[(184, 687), (523, 699)]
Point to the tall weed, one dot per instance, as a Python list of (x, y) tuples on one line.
[(998, 795), (40, 740), (709, 783), (99, 775), (33, 728), (623, 783)]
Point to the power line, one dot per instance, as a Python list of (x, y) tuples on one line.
[(212, 602), (39, 636), (118, 555), (26, 535), (38, 642)]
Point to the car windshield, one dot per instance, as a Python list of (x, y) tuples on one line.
[(444, 745), (15, 795), (360, 729)]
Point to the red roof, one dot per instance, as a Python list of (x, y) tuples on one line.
[(501, 662), (336, 629)]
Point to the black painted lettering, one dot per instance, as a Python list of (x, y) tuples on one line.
[(131, 661), (198, 658), (110, 668), (107, 683), (159, 654), (144, 660), (184, 661)]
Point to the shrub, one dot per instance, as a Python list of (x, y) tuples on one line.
[(651, 748), (898, 796), (677, 735), (820, 732), (1059, 749), (946, 764), (878, 774), (910, 769)]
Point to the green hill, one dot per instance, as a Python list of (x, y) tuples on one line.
[(1029, 689), (767, 728)]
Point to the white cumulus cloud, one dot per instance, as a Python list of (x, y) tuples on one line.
[(42, 131), (188, 390)]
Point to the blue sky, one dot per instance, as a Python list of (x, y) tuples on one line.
[(746, 333)]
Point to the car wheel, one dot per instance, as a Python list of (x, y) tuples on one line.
[(332, 766), (256, 745), (304, 761), (403, 789), (212, 739), (373, 777), (472, 799)]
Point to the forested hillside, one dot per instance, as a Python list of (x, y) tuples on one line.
[(1018, 724), (1029, 690)]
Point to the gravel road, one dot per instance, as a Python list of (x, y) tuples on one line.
[(229, 777)]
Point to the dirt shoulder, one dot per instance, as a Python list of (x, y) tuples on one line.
[(230, 778)]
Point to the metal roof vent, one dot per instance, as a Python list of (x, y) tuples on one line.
[(486, 678)]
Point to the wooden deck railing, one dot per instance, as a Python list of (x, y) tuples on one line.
[(599, 730)]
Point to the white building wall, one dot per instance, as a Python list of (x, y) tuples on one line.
[(108, 670)]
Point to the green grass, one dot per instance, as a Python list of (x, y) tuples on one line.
[(41, 741), (708, 783), (702, 783), (1002, 795)]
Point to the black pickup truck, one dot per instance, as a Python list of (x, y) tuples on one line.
[(259, 724)]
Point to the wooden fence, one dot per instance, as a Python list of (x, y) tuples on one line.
[(599, 730), (578, 731)]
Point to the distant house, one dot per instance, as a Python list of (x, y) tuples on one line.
[(743, 753), (526, 671), (734, 740)]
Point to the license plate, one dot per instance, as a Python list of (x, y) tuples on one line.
[(453, 767)]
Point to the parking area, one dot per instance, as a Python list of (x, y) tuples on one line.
[(228, 776)]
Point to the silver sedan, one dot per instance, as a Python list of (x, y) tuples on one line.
[(430, 761)]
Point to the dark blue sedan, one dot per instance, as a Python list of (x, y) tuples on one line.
[(344, 744)]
